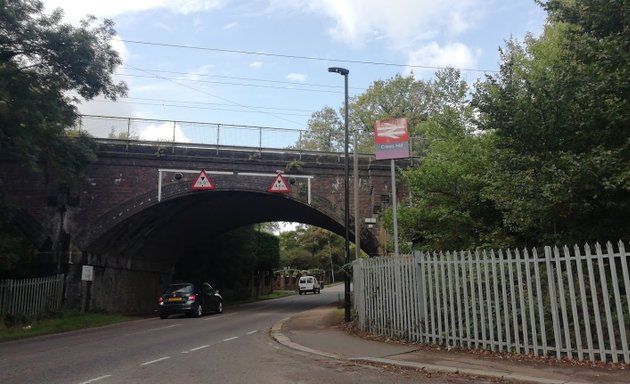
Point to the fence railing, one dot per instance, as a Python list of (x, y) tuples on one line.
[(564, 303), (169, 131), (31, 297)]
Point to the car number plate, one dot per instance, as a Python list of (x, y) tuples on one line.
[(174, 299)]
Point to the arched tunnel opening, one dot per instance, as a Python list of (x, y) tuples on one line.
[(175, 240)]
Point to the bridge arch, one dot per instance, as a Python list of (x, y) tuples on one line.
[(114, 222), (144, 223)]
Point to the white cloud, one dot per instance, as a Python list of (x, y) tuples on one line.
[(78, 9), (230, 26), (163, 132), (163, 26), (121, 48), (198, 73), (403, 22), (256, 64), (455, 55), (296, 77)]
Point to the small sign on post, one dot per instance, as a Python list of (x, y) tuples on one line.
[(87, 273), (391, 139)]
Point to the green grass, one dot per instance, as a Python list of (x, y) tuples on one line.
[(64, 322)]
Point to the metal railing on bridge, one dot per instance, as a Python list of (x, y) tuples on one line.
[(183, 132)]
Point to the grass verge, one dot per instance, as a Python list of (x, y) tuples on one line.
[(63, 322)]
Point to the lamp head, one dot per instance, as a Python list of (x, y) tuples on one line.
[(339, 70)]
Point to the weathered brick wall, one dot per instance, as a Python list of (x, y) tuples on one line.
[(123, 183)]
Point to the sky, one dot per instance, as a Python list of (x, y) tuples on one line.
[(264, 62)]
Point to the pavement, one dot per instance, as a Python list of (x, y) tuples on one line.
[(320, 331)]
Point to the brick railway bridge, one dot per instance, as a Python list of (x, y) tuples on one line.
[(135, 213)]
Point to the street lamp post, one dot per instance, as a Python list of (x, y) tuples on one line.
[(347, 309)]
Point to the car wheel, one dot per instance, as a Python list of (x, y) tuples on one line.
[(163, 316), (220, 307), (199, 311)]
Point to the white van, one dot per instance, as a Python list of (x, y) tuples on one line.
[(308, 284)]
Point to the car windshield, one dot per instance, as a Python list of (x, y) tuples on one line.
[(179, 288)]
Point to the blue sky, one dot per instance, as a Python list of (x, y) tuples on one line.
[(223, 81)]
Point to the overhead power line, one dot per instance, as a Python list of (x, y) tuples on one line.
[(364, 62), (292, 83), (232, 83), (181, 104), (215, 96)]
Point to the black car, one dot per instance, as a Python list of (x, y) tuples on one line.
[(190, 299)]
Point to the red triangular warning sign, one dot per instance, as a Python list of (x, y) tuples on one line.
[(203, 181), (279, 185)]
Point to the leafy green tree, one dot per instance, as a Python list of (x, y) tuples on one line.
[(309, 247), (446, 209), (46, 67), (400, 96), (238, 260), (42, 61), (560, 110), (325, 132), (122, 135)]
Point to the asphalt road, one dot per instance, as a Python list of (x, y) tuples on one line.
[(233, 347)]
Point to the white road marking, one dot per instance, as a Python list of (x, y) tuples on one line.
[(156, 360), (198, 348), (219, 316), (252, 332), (96, 379), (231, 338), (154, 329)]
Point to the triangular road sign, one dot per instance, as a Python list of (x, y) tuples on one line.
[(202, 181), (279, 185)]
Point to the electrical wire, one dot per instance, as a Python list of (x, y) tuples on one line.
[(270, 54)]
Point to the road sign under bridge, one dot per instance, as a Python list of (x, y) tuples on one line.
[(271, 176)]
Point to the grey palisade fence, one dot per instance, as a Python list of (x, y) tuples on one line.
[(563, 302), (30, 297)]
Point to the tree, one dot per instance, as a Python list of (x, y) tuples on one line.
[(325, 132), (46, 67), (560, 110), (400, 96), (446, 209), (310, 247), (42, 63)]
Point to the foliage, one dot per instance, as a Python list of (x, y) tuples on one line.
[(308, 247), (41, 61), (400, 96), (236, 258), (122, 135), (559, 108), (19, 326), (46, 66), (325, 132)]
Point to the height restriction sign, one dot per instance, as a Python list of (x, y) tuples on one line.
[(202, 181), (279, 185)]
